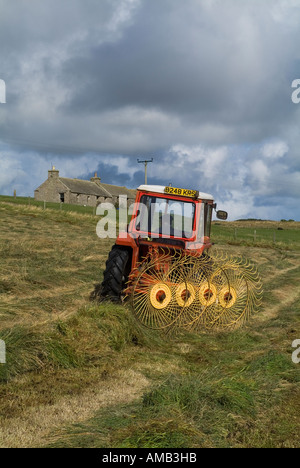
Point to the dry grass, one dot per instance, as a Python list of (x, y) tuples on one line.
[(88, 376), (30, 242), (43, 423)]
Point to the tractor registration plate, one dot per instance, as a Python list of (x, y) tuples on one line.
[(181, 192)]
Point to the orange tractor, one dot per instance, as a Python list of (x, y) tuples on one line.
[(162, 266)]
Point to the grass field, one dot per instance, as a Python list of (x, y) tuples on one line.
[(80, 374), (29, 201)]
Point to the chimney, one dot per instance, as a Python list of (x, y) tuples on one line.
[(96, 179), (53, 173)]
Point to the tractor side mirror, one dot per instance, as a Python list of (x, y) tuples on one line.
[(222, 215)]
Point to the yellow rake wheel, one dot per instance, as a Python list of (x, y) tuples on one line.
[(207, 294), (227, 294), (154, 291), (227, 297), (206, 297), (238, 290), (160, 295), (185, 294), (195, 271)]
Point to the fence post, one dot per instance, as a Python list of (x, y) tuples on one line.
[(44, 205), (254, 235)]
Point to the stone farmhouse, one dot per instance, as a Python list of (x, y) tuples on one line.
[(80, 192)]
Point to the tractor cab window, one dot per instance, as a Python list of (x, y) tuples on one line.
[(165, 217), (207, 219)]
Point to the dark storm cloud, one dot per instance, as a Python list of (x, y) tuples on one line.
[(111, 173), (108, 65), (226, 65)]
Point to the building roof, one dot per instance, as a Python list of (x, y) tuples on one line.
[(85, 187), (115, 190), (96, 188)]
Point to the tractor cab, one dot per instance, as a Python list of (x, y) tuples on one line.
[(172, 216), (168, 217)]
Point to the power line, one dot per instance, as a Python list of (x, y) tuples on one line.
[(146, 161)]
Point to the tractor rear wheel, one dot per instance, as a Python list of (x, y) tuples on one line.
[(116, 274)]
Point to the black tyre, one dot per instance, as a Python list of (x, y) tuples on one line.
[(115, 274)]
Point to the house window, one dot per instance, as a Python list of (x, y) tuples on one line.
[(62, 197)]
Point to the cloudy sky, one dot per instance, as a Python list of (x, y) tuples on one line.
[(202, 86)]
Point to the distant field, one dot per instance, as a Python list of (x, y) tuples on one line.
[(29, 201), (79, 374), (274, 234)]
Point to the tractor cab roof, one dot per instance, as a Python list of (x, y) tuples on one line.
[(166, 190)]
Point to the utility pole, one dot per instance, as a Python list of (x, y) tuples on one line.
[(146, 163)]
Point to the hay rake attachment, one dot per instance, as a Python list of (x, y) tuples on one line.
[(172, 290)]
